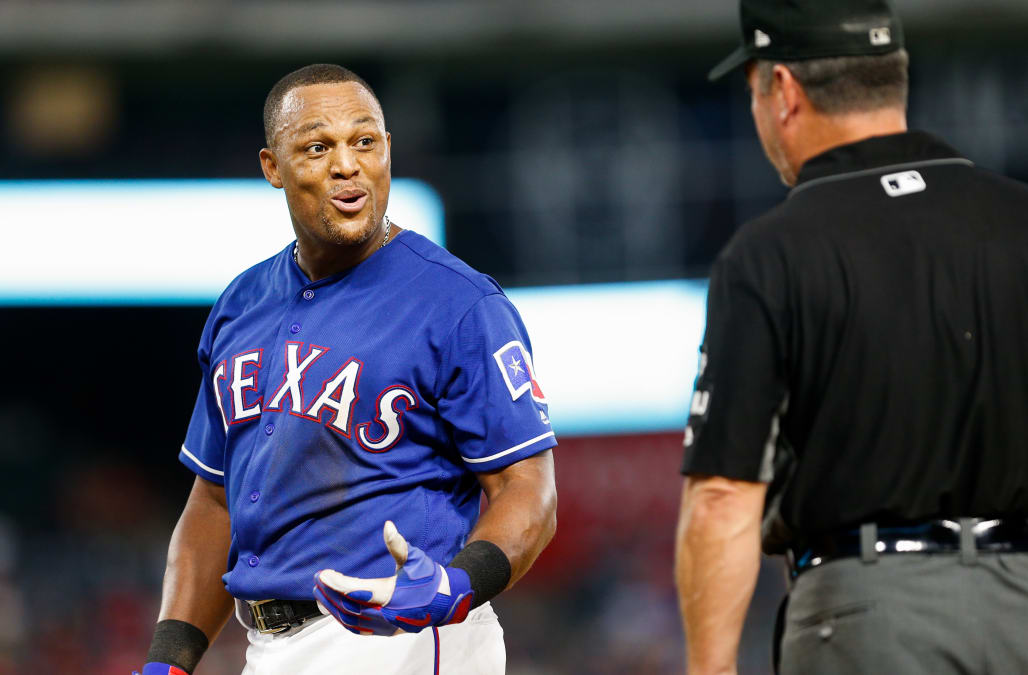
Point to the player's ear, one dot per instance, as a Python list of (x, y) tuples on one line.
[(269, 165)]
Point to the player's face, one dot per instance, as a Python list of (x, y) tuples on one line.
[(765, 117), (332, 156)]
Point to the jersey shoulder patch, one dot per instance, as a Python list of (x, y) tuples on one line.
[(515, 364)]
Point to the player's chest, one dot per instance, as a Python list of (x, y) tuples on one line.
[(333, 364)]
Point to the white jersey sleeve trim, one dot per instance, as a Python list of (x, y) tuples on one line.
[(479, 460), (201, 464)]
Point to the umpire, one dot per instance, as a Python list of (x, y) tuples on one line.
[(863, 390)]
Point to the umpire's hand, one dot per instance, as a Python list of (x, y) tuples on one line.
[(421, 593)]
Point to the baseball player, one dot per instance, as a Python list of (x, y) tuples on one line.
[(864, 376), (360, 390)]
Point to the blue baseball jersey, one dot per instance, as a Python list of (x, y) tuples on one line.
[(329, 407)]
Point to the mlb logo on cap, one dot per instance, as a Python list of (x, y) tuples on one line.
[(880, 36), (515, 365)]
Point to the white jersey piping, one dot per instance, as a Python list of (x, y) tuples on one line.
[(201, 464), (479, 460)]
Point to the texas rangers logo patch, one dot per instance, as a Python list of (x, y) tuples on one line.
[(515, 364)]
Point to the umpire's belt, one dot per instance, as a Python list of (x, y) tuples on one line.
[(934, 536), (276, 616)]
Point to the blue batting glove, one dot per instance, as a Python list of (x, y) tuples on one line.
[(422, 593)]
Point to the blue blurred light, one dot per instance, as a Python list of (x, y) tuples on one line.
[(154, 242)]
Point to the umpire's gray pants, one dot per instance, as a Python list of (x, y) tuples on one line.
[(910, 613)]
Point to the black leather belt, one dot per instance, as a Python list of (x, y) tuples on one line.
[(277, 616), (934, 536)]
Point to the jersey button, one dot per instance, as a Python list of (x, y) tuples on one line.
[(269, 429), (294, 329), (308, 294), (254, 561), (255, 495)]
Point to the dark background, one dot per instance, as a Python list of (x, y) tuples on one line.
[(571, 143)]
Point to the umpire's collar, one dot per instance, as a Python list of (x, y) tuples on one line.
[(877, 151)]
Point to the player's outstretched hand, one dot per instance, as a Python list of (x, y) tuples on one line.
[(421, 593)]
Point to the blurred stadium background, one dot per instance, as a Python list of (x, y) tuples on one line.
[(571, 149)]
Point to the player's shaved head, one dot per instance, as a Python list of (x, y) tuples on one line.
[(316, 73)]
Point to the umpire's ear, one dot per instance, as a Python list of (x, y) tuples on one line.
[(269, 165)]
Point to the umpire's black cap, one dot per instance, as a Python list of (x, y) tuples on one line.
[(793, 30)]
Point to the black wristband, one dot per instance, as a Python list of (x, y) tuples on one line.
[(488, 569), (177, 643)]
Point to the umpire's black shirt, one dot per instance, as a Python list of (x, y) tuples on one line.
[(877, 323)]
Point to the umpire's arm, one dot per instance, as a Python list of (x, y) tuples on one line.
[(193, 589), (522, 514), (716, 564), (741, 391)]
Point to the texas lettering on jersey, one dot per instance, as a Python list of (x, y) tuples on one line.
[(332, 406)]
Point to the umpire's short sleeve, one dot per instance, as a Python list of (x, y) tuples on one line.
[(741, 384), (488, 392), (203, 451)]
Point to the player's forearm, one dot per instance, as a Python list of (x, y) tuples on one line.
[(716, 565), (193, 589), (521, 517)]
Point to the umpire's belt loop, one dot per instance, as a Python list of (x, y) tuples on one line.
[(868, 539), (968, 548)]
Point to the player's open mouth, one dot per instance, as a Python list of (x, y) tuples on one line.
[(350, 201)]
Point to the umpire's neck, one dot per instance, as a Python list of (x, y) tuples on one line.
[(824, 132)]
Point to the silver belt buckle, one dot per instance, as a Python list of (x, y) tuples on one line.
[(259, 620)]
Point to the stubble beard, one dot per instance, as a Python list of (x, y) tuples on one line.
[(342, 235)]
